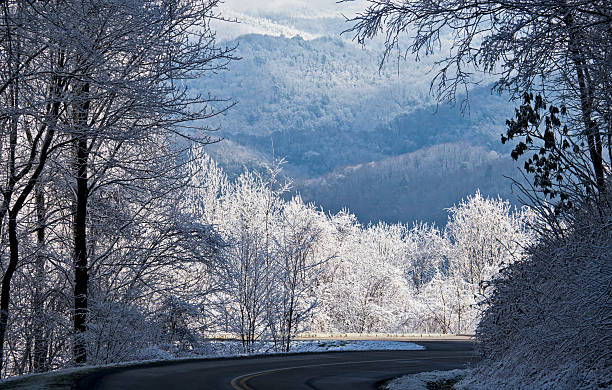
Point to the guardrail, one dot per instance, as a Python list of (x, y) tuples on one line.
[(354, 336)]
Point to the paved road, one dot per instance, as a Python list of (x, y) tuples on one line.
[(322, 371)]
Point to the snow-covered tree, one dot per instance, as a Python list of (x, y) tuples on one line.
[(271, 258), (298, 261), (547, 322), (482, 236), (92, 107), (426, 254), (486, 234)]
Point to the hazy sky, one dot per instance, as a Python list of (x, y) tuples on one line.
[(274, 16), (300, 8)]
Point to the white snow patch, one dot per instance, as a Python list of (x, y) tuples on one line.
[(229, 348), (249, 24), (419, 381), (353, 345)]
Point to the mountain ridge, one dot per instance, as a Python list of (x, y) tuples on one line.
[(323, 105)]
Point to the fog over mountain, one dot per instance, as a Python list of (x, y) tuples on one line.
[(306, 18), (321, 102)]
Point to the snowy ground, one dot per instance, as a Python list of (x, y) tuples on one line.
[(421, 380), (353, 345), (64, 379), (234, 348)]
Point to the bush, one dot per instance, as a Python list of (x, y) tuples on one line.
[(548, 322)]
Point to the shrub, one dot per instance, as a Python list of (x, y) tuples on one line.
[(548, 322)]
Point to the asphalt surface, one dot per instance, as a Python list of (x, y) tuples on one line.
[(322, 371)]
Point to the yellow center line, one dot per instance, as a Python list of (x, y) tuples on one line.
[(240, 382)]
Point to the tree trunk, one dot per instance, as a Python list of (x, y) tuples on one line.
[(12, 227), (40, 341), (6, 281), (81, 273), (586, 105)]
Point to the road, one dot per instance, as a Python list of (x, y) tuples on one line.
[(322, 371)]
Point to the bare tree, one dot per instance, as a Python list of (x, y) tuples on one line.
[(98, 88), (127, 61), (30, 92), (297, 269)]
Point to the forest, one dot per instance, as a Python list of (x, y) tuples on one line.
[(122, 239)]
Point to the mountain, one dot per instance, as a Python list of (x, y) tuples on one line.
[(413, 186), (291, 83), (324, 106)]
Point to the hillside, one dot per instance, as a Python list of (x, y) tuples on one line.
[(413, 186), (307, 97), (324, 106)]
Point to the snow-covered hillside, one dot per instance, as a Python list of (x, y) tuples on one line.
[(322, 104), (413, 186), (286, 83)]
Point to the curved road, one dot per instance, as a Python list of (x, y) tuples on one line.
[(322, 371)]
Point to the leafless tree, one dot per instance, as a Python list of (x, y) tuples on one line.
[(31, 89), (99, 89), (128, 61)]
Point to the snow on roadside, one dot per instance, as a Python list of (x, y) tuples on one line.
[(228, 348), (353, 345), (419, 381)]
